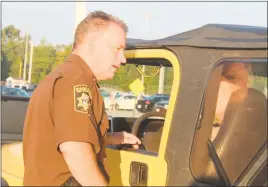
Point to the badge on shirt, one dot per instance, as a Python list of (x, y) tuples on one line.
[(82, 98)]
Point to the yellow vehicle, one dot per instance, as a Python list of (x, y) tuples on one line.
[(188, 144)]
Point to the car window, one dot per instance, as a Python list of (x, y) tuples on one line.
[(166, 98), (234, 122), (12, 93), (15, 92), (118, 96), (23, 93), (140, 103), (104, 94), (156, 99), (4, 90)]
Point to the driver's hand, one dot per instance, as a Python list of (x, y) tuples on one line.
[(117, 138)]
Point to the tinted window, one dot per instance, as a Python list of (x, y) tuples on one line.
[(234, 122)]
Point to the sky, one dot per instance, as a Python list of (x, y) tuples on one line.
[(55, 21)]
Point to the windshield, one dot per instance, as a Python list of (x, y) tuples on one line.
[(13, 92)]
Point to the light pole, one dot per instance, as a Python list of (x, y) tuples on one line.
[(162, 69), (80, 12), (25, 57), (161, 80), (147, 17), (30, 63)]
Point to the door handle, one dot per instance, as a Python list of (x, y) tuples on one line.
[(138, 174)]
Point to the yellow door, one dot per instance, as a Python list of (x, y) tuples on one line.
[(137, 167), (140, 168)]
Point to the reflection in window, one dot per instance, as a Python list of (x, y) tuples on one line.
[(237, 77), (235, 122)]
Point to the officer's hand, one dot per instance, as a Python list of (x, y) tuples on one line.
[(117, 138)]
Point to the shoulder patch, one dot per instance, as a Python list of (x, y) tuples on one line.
[(82, 98)]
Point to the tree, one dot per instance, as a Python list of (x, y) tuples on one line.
[(125, 75), (4, 66), (47, 57), (62, 51), (12, 52), (43, 58)]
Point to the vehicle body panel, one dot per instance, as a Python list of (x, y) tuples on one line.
[(12, 164), (186, 115), (126, 102), (147, 104)]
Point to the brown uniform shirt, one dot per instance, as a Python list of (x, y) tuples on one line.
[(66, 106)]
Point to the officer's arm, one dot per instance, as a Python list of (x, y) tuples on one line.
[(75, 133), (81, 160)]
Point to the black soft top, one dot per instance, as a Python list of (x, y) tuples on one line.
[(210, 36)]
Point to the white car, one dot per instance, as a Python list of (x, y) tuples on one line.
[(110, 103), (125, 102)]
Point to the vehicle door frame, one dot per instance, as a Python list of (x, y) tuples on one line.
[(153, 161), (188, 113)]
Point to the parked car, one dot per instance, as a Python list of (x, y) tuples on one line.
[(148, 103), (125, 102), (161, 105), (121, 102), (30, 91), (6, 91), (104, 94), (110, 101)]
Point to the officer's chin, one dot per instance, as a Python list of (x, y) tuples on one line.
[(109, 76)]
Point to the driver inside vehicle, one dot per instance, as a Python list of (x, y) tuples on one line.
[(234, 77)]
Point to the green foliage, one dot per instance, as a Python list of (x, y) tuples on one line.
[(125, 75), (4, 66), (12, 52), (62, 52), (43, 59), (15, 67), (258, 82), (47, 57)]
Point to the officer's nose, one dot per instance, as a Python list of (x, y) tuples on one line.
[(123, 59)]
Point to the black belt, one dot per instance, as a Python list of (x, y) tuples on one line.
[(71, 181)]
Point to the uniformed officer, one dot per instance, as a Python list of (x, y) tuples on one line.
[(65, 129)]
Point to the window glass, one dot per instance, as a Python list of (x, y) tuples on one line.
[(131, 106), (233, 129), (238, 76)]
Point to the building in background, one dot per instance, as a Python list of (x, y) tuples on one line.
[(15, 82)]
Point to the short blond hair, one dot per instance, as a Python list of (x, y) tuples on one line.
[(96, 20)]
